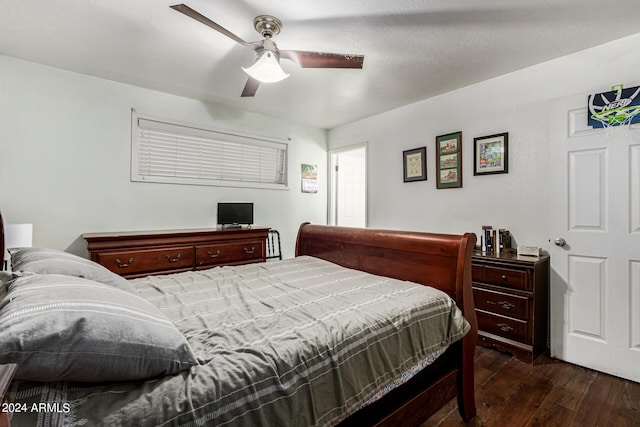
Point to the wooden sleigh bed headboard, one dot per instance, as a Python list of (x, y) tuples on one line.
[(437, 260), (442, 261)]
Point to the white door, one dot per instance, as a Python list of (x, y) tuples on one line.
[(595, 275), (349, 187)]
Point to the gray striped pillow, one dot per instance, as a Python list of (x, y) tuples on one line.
[(52, 261), (63, 328)]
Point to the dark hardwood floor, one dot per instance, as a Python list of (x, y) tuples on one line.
[(548, 393)]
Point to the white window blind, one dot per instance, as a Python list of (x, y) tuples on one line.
[(173, 153)]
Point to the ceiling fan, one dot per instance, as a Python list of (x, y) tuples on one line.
[(266, 68)]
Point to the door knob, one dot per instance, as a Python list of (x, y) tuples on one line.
[(559, 241)]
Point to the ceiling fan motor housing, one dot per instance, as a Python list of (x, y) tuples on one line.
[(267, 25)]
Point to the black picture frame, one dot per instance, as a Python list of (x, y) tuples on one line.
[(449, 160), (491, 154), (414, 164)]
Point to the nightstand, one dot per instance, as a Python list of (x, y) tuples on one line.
[(511, 295), (6, 376)]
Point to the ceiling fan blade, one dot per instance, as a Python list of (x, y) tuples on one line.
[(322, 60), (183, 8), (250, 88)]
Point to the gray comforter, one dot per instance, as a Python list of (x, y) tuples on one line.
[(302, 342)]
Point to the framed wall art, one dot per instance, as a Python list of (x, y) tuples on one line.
[(449, 160), (414, 164), (491, 154), (309, 178)]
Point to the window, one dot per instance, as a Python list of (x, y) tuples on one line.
[(174, 153)]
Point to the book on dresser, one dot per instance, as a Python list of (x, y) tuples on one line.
[(511, 297)]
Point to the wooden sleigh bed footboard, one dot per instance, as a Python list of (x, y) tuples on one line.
[(437, 260)]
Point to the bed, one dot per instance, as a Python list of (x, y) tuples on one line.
[(248, 345)]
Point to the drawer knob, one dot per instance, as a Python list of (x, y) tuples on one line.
[(121, 264), (176, 259), (212, 255), (506, 305), (504, 277), (249, 251), (504, 327)]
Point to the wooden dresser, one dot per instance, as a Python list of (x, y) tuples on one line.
[(511, 298), (136, 254)]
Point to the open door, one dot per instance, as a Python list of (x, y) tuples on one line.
[(348, 187)]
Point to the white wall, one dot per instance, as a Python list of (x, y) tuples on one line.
[(516, 103), (65, 154), (65, 143)]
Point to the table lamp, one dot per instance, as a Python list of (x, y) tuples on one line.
[(16, 236)]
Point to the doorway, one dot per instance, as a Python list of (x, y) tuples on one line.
[(348, 186)]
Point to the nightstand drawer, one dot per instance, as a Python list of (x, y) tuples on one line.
[(477, 273), (147, 260), (229, 253), (506, 327), (501, 303), (507, 277)]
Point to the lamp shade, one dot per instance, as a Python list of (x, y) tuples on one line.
[(267, 68), (17, 236)]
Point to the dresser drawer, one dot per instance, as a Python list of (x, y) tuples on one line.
[(501, 303), (222, 253), (506, 327), (477, 273), (132, 262), (516, 279)]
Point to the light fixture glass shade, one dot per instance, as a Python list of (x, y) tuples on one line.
[(266, 69), (17, 236)]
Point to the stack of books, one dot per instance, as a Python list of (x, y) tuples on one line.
[(494, 240)]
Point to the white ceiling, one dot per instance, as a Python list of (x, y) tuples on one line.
[(413, 49)]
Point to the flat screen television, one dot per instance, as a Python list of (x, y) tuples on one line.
[(235, 214)]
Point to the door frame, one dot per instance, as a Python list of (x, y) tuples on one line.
[(332, 194)]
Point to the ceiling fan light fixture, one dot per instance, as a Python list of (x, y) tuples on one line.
[(267, 68)]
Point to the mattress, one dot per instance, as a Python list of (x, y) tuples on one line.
[(299, 342)]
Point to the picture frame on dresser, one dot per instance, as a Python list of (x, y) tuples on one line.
[(449, 160)]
